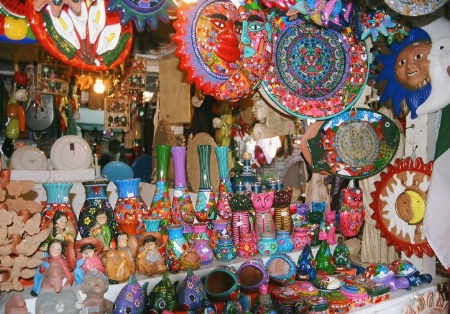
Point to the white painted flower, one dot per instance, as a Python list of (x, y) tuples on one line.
[(80, 20), (108, 38), (96, 20), (64, 26)]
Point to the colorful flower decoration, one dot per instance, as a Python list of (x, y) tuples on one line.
[(142, 11), (14, 26), (92, 40), (223, 47)]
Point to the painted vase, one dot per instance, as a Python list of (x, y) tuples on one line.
[(247, 247), (252, 274), (130, 207), (240, 225), (152, 223), (204, 250), (96, 203), (191, 292), (220, 228), (205, 206), (198, 232), (176, 243), (301, 237), (267, 245), (182, 206), (301, 214), (161, 205), (225, 249), (284, 241), (221, 282), (223, 206), (262, 203), (187, 231), (57, 200)]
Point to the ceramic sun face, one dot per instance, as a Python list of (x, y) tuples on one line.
[(224, 47)]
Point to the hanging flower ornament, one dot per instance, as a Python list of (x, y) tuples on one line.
[(91, 39), (142, 11)]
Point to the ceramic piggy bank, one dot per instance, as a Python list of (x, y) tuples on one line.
[(191, 292), (162, 297), (130, 299)]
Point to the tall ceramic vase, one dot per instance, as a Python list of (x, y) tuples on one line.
[(57, 200), (96, 203), (161, 205), (176, 243), (182, 206), (130, 207), (223, 206), (205, 207)]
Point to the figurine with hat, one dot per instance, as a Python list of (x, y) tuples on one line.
[(149, 260), (88, 250)]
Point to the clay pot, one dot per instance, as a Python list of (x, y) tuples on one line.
[(252, 274), (190, 258), (220, 283), (5, 275)]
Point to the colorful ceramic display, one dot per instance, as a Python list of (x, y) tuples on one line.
[(176, 242), (356, 144), (399, 205), (240, 224), (223, 206), (92, 39), (350, 213), (324, 259), (225, 249), (315, 72), (205, 206), (162, 297), (284, 299), (220, 283), (247, 247), (204, 250), (220, 229), (380, 273), (281, 269), (252, 274), (404, 268), (305, 265), (267, 244), (301, 237), (284, 241), (356, 294)]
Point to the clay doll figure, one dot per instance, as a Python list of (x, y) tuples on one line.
[(62, 228), (100, 229), (55, 271), (94, 285), (120, 262), (88, 250), (149, 260)]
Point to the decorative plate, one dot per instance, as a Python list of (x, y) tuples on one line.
[(70, 152), (315, 72), (142, 11), (29, 158), (92, 40), (225, 47), (414, 7), (356, 144), (399, 203)]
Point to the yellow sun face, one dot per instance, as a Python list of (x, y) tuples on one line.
[(410, 206)]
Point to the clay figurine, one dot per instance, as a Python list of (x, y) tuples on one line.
[(232, 306), (263, 301), (100, 229), (16, 305), (324, 259), (341, 256), (149, 260), (120, 262), (88, 250), (305, 266), (62, 228), (191, 292), (162, 297), (130, 298), (328, 227), (379, 273), (406, 269), (94, 286)]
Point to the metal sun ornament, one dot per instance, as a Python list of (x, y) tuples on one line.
[(142, 12)]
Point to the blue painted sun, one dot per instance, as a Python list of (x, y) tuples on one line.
[(142, 12)]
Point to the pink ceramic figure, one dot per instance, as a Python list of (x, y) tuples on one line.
[(328, 227)]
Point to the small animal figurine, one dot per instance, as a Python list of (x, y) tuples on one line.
[(350, 214), (130, 299), (305, 266), (282, 198), (300, 217), (380, 273), (406, 269), (341, 256), (239, 202), (94, 286), (328, 227), (324, 259), (162, 297), (191, 292)]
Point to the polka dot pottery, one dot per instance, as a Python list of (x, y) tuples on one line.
[(284, 299), (356, 294)]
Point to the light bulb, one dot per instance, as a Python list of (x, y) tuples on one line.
[(99, 87)]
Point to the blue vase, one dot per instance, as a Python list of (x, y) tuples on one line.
[(152, 223), (176, 242), (284, 241), (267, 244), (225, 249)]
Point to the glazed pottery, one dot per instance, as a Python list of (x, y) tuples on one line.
[(190, 259), (130, 298), (341, 256), (350, 213), (317, 304), (267, 245), (263, 301), (130, 207), (406, 269), (223, 207), (182, 206), (220, 229), (282, 213), (305, 288), (301, 237), (163, 295), (305, 265), (225, 249), (380, 273), (284, 241), (338, 303), (191, 292), (57, 200), (281, 269), (328, 227), (233, 306), (240, 225), (187, 231), (284, 299), (356, 294), (220, 283), (152, 223), (247, 247), (252, 275), (262, 203), (199, 231), (161, 205), (176, 243), (204, 250), (95, 199), (324, 259), (205, 206)]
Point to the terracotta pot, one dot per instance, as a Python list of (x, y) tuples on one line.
[(190, 259)]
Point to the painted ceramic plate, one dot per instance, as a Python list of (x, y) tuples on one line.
[(315, 72), (70, 152), (414, 7), (356, 144), (29, 158), (399, 205)]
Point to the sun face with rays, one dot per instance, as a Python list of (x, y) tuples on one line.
[(405, 68), (399, 205)]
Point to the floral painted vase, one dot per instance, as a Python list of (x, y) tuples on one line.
[(262, 203), (161, 205), (198, 232), (57, 200), (205, 206), (225, 249), (204, 250), (284, 241), (182, 206), (301, 237), (223, 206), (267, 245), (152, 223), (130, 207), (176, 243), (191, 292), (247, 247), (187, 231), (220, 229)]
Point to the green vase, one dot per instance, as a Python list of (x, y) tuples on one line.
[(205, 206), (161, 205)]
